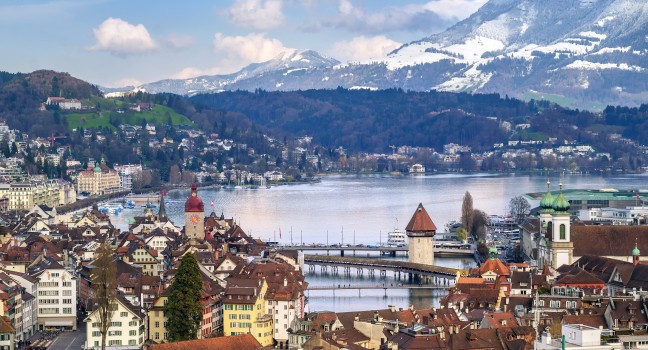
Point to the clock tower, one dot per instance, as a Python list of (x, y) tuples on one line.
[(195, 215)]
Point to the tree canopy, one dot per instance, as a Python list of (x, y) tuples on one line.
[(519, 207), (183, 310)]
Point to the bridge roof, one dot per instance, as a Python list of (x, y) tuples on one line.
[(420, 221)]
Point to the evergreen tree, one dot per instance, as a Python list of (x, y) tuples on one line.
[(183, 310)]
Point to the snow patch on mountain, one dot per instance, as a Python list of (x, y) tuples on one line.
[(586, 65)]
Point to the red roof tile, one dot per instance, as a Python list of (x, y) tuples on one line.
[(420, 221), (238, 342)]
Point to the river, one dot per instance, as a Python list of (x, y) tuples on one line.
[(362, 209)]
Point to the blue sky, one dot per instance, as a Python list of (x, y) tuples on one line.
[(116, 43)]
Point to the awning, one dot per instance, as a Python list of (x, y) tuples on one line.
[(59, 323)]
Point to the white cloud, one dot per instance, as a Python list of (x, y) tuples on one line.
[(192, 72), (121, 38), (239, 51), (257, 14), (124, 82), (179, 41), (236, 52), (429, 17), (362, 48), (459, 9)]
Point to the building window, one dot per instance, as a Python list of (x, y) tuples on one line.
[(562, 231), (124, 314), (157, 335)]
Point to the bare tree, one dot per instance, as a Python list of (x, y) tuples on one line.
[(467, 212), (519, 207), (104, 286), (174, 174), (480, 220)]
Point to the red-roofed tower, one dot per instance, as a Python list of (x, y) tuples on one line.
[(420, 231), (195, 215)]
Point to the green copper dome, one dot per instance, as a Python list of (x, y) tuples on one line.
[(492, 252), (97, 168), (561, 204), (635, 251), (547, 201)]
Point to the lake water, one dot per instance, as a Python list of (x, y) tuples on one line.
[(362, 209)]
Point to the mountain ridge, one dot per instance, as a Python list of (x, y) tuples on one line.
[(585, 54)]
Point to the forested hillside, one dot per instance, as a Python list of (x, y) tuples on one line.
[(372, 120)]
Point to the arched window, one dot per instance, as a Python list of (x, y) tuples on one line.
[(562, 231)]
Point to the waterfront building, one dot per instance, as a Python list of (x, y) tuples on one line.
[(25, 195), (127, 326), (417, 169), (194, 216), (244, 309), (603, 198), (127, 173), (98, 180), (635, 215), (420, 231)]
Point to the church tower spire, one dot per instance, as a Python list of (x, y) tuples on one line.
[(636, 253), (162, 210)]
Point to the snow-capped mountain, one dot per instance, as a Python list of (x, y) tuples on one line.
[(284, 66), (584, 53)]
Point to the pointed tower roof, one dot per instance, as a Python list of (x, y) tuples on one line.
[(162, 211), (420, 224)]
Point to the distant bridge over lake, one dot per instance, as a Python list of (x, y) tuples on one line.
[(437, 275), (383, 250)]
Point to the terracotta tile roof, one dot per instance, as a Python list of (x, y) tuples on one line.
[(601, 267), (475, 339), (612, 240), (349, 336), (5, 325), (595, 321), (421, 222), (499, 320), (470, 280), (238, 342), (409, 341), (496, 266), (578, 277)]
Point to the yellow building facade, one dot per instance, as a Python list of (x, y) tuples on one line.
[(157, 321), (98, 180), (24, 195), (244, 311)]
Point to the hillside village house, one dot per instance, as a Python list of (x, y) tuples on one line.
[(63, 103)]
